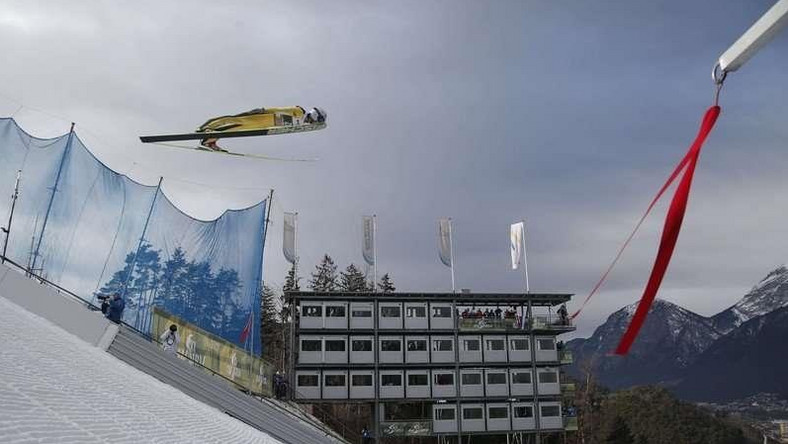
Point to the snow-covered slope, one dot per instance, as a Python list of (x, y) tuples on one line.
[(55, 388), (768, 295)]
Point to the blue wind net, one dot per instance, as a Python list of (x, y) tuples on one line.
[(94, 231)]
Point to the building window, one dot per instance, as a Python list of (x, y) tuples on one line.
[(495, 345), (498, 412), (471, 345), (312, 311), (309, 345), (417, 345), (471, 379), (391, 345), (307, 380), (521, 378), (496, 378), (390, 312), (335, 380), (441, 312), (361, 380), (444, 414), (418, 380), (361, 313), (416, 312), (362, 345), (391, 380), (520, 344), (551, 410), (335, 346), (473, 413), (548, 377), (442, 345), (335, 311), (444, 378), (546, 344), (523, 412)]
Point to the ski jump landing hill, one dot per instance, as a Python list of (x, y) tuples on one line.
[(69, 375)]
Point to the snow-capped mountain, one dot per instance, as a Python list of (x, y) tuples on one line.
[(729, 354), (671, 338), (770, 294), (750, 359)]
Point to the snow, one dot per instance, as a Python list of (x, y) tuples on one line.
[(55, 388)]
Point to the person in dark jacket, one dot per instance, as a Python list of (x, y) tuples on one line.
[(116, 306)]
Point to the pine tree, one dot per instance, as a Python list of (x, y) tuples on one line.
[(324, 278), (385, 285), (352, 279), (270, 327), (292, 280)]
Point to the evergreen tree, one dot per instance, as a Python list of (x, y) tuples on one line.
[(352, 279), (292, 280), (619, 432), (270, 327), (324, 278), (385, 285)]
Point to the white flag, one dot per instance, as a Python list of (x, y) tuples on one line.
[(516, 236), (444, 240), (289, 241), (368, 242)]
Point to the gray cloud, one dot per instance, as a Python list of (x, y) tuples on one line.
[(567, 114)]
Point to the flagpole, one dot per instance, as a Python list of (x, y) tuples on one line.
[(525, 262), (374, 253), (295, 246), (451, 256)]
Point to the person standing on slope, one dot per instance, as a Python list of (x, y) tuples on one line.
[(170, 340)]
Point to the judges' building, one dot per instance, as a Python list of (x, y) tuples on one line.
[(484, 363)]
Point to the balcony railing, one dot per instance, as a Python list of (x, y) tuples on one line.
[(570, 423), (474, 323), (565, 356), (406, 428), (567, 387)]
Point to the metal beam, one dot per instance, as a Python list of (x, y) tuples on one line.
[(760, 34)]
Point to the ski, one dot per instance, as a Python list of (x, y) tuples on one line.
[(232, 153), (274, 130)]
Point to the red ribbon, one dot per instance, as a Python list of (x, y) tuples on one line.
[(670, 232)]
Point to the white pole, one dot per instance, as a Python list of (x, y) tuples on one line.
[(525, 262), (451, 256), (759, 34), (295, 246), (374, 252)]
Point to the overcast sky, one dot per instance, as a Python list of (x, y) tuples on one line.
[(568, 114)]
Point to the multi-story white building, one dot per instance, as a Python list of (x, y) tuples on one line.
[(495, 357)]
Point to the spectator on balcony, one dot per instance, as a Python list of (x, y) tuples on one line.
[(466, 313), (498, 312), (563, 315)]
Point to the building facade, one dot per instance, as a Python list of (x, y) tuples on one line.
[(488, 363)]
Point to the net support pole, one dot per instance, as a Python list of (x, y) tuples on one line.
[(7, 228), (759, 35), (52, 196), (137, 252), (262, 261)]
